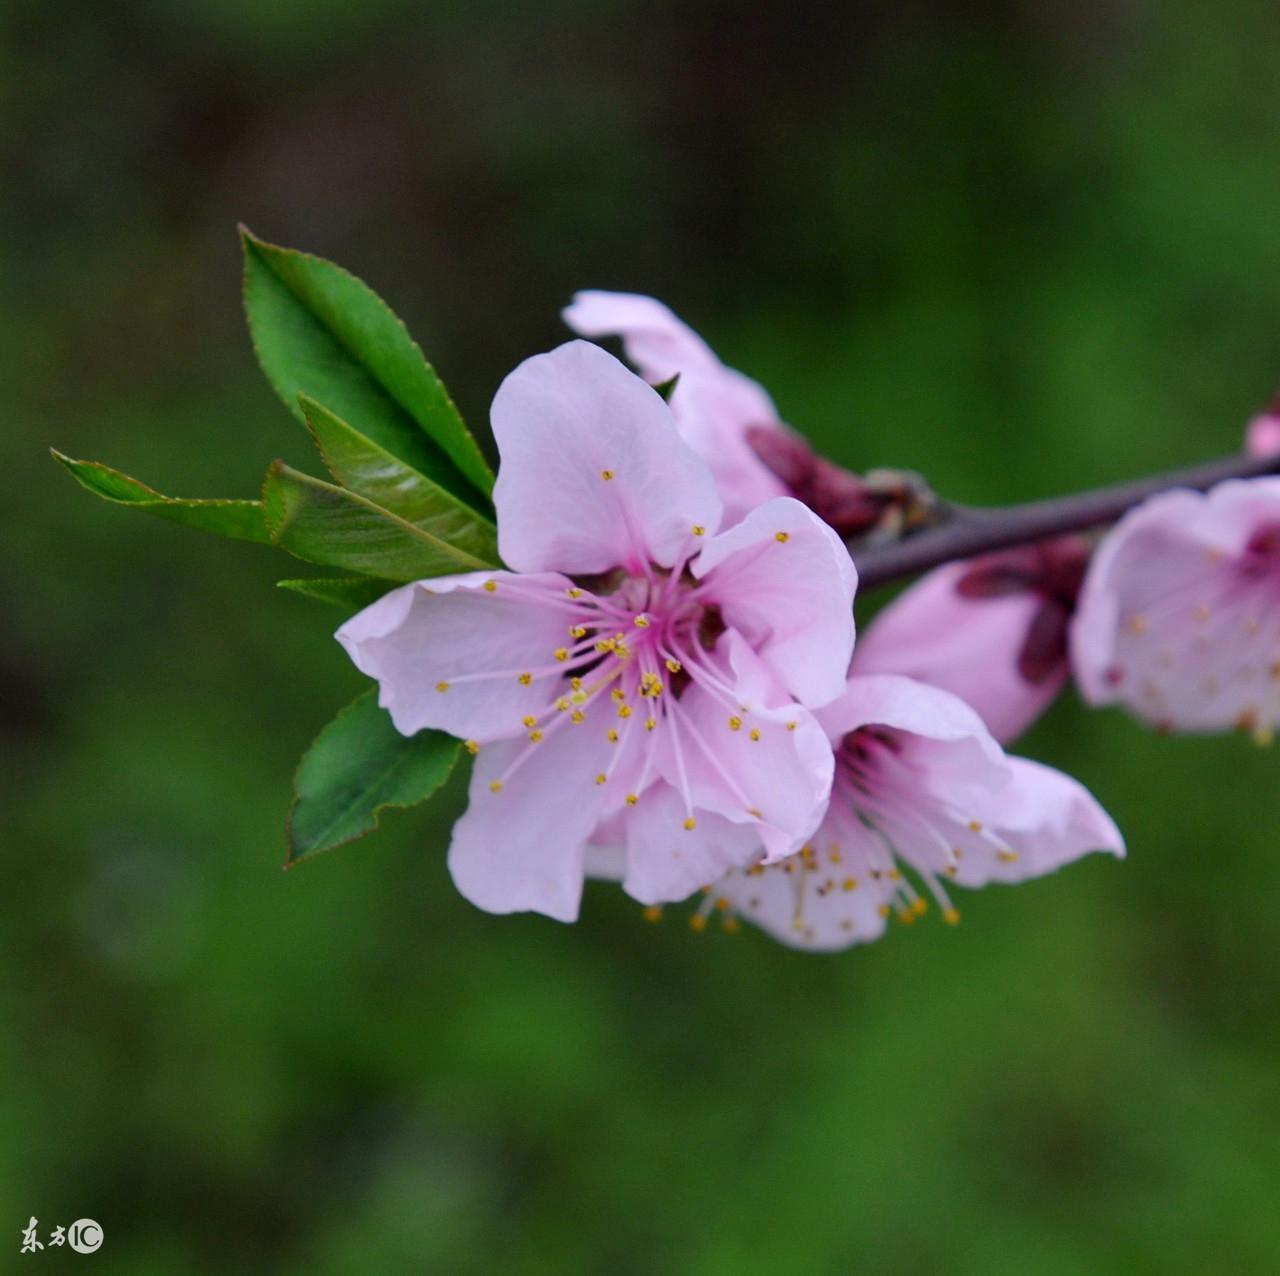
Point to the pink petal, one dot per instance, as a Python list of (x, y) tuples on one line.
[(784, 581), (755, 758), (968, 646), (713, 405), (1177, 620), (451, 631), (666, 862), (594, 474), (823, 908), (1046, 819), (521, 849)]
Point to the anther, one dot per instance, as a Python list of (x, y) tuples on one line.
[(442, 686), (601, 778), (574, 592), (578, 631), (691, 824), (526, 679), (975, 826), (495, 786), (699, 530), (618, 694), (781, 537), (562, 705), (641, 621), (652, 914), (730, 924), (735, 723), (473, 747), (577, 716), (1137, 625), (951, 916), (698, 922), (849, 884), (490, 586), (612, 736), (791, 726), (650, 723), (673, 665), (606, 475), (576, 683), (755, 733), (562, 654), (632, 799), (535, 737), (529, 720)]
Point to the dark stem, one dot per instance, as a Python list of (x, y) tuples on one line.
[(965, 531)]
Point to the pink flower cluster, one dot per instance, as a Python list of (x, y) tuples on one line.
[(664, 689)]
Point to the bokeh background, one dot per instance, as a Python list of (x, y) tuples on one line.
[(1024, 247)]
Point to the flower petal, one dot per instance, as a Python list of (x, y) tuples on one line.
[(456, 633), (666, 862), (713, 405), (521, 848), (594, 474), (784, 581), (1047, 820), (968, 646), (1177, 617), (822, 902), (753, 757)]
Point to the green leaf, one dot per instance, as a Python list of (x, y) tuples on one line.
[(320, 523), (320, 331), (240, 520), (351, 593), (359, 464), (359, 766)]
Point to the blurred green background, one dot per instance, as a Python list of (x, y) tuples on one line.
[(1025, 247)]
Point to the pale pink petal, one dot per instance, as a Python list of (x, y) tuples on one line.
[(713, 405), (968, 646), (931, 716), (1179, 618), (666, 862), (783, 579), (594, 474), (1263, 436), (823, 901), (1041, 821), (749, 754), (521, 848), (452, 632)]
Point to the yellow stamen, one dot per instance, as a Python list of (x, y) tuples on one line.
[(490, 586), (730, 924), (526, 679), (624, 711), (755, 734), (652, 914), (698, 922), (650, 723), (529, 720), (641, 621), (577, 716), (606, 475), (849, 884), (612, 736), (735, 723), (632, 799), (535, 737), (574, 592), (562, 654), (495, 786), (951, 916), (673, 665), (473, 747), (699, 530), (691, 823), (442, 686), (781, 537), (578, 631), (601, 778)]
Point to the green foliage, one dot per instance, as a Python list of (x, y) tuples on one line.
[(332, 527), (357, 463), (359, 766), (319, 331), (239, 520), (351, 593)]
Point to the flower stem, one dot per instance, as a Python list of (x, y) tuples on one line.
[(962, 531)]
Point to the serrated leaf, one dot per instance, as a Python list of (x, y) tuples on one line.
[(358, 463), (328, 525), (240, 520), (320, 331), (351, 593), (358, 767)]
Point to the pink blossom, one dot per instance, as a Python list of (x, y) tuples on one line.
[(1179, 617), (1263, 435), (991, 630), (919, 785), (716, 408), (633, 671)]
